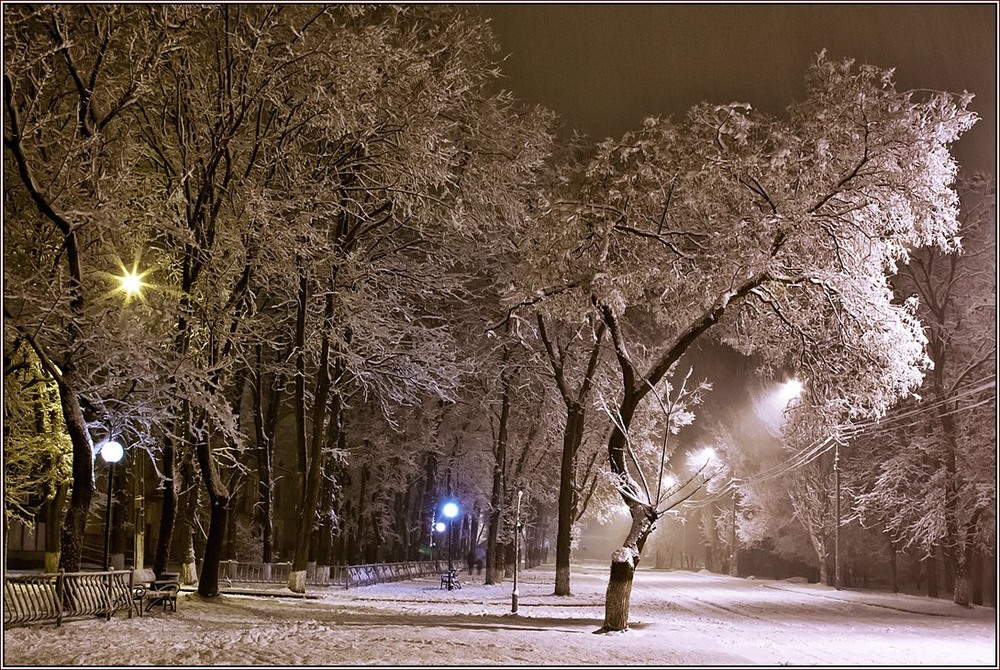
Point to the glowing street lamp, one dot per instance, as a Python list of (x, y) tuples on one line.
[(111, 452), (132, 282), (450, 511)]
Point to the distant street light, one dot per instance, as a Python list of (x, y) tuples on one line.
[(111, 452), (450, 511)]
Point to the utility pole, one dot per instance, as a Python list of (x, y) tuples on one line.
[(517, 525), (836, 528), (732, 539)]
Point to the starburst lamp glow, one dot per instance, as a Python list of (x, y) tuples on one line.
[(131, 283)]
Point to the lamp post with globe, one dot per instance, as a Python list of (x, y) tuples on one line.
[(450, 511), (111, 453)]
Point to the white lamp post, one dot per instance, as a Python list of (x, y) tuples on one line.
[(111, 452), (450, 511), (517, 525)]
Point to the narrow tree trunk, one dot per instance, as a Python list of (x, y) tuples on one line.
[(314, 479), (894, 566), (265, 423), (494, 563), (572, 439), (182, 543)]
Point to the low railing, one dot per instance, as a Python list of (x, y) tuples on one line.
[(333, 575), (56, 597), (277, 573), (380, 573)]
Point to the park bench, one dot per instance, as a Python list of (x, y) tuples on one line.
[(449, 579), (148, 591)]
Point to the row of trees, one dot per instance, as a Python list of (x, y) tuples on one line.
[(336, 215)]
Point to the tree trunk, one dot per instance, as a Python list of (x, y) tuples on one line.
[(494, 563), (168, 511), (572, 438), (314, 479), (189, 506), (894, 566), (976, 571), (623, 564), (75, 523), (218, 495), (819, 546), (54, 513), (265, 424), (930, 565)]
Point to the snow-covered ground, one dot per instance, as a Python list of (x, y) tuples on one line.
[(678, 618)]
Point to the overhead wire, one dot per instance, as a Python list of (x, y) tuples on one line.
[(820, 446)]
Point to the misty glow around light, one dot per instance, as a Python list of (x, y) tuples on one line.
[(112, 451), (788, 392), (450, 510), (702, 457), (439, 526)]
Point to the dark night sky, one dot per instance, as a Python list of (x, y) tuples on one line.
[(603, 67)]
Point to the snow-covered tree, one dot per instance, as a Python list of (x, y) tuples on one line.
[(774, 234), (72, 220), (936, 487)]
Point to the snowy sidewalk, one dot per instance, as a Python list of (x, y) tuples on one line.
[(677, 619)]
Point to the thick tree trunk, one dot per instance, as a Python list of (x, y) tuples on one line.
[(52, 528), (168, 510), (218, 495), (819, 546), (75, 523), (976, 571), (623, 564), (572, 438)]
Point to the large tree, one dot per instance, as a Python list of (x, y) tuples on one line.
[(775, 234), (72, 74)]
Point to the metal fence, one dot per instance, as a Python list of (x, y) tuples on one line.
[(379, 573), (333, 575), (56, 597)]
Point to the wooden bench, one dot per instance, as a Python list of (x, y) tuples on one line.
[(148, 591)]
